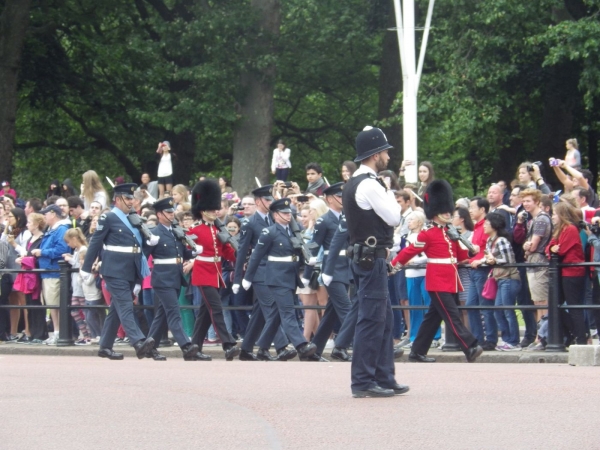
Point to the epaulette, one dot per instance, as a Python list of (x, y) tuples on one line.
[(265, 231), (319, 220)]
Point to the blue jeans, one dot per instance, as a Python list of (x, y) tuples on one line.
[(507, 320), (418, 296), (478, 278)]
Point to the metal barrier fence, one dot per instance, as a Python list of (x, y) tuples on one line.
[(555, 338)]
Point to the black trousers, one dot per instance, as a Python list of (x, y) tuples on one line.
[(37, 319), (211, 311), (337, 307), (5, 289), (444, 306), (167, 313), (573, 290)]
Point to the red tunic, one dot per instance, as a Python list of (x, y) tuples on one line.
[(570, 251), (209, 273), (441, 276)]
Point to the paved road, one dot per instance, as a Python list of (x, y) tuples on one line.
[(56, 402)]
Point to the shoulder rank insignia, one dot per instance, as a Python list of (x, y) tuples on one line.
[(265, 231)]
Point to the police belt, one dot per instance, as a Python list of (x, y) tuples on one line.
[(116, 248), (282, 258), (208, 258), (442, 260), (342, 252), (167, 261)]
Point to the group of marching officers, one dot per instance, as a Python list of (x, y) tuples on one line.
[(355, 249)]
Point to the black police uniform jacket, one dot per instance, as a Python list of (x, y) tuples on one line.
[(337, 264), (112, 231), (275, 242), (249, 235), (168, 247), (325, 228)]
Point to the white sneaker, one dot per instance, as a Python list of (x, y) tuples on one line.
[(330, 344), (434, 344), (51, 340)]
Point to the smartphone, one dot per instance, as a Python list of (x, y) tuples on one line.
[(287, 184), (302, 198), (387, 181)]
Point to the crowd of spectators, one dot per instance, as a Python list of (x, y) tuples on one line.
[(525, 220)]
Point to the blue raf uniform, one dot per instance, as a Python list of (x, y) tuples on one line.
[(123, 265), (282, 265), (167, 278), (250, 233)]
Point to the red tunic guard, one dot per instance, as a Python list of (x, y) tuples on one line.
[(208, 269)]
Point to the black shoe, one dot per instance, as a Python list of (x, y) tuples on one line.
[(489, 346), (341, 354), (189, 350), (143, 346), (264, 355), (398, 389), (108, 353), (232, 352), (286, 354), (247, 356), (24, 339), (525, 343), (198, 357), (415, 357), (473, 353), (153, 353), (398, 352), (307, 350), (314, 358), (376, 391)]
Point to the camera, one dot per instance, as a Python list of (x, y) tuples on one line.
[(302, 198), (593, 227), (582, 225), (238, 207), (228, 196), (553, 162), (287, 184), (525, 216), (537, 163)]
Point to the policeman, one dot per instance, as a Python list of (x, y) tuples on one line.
[(441, 279), (250, 233), (207, 274), (339, 303), (372, 213), (282, 279), (167, 279), (123, 267)]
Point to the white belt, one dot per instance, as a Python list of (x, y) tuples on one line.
[(342, 252), (441, 260), (283, 258), (167, 261), (116, 248), (208, 258)]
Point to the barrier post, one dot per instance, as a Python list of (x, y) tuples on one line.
[(64, 334), (555, 338)]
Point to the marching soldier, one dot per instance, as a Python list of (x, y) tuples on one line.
[(207, 274), (167, 279), (250, 233), (123, 267), (441, 280), (282, 279)]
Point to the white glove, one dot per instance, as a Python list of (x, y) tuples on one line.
[(327, 279), (136, 289), (84, 275), (246, 284), (312, 261), (305, 281), (235, 288), (199, 249), (153, 240)]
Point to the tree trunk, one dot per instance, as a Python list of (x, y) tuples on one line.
[(184, 146), (390, 85), (14, 21), (252, 133)]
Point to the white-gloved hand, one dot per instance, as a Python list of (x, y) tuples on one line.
[(235, 288), (246, 284), (136, 289), (327, 279), (84, 275), (312, 261), (199, 249), (153, 240), (305, 281)]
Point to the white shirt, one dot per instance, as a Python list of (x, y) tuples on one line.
[(281, 159), (372, 195), (165, 168)]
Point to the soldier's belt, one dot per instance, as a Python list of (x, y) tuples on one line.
[(116, 248), (442, 260), (342, 252), (208, 258), (167, 261), (283, 258)]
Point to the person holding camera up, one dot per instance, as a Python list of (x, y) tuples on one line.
[(281, 164), (371, 214), (529, 175)]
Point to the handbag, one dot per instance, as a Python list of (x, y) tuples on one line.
[(314, 279), (490, 288)]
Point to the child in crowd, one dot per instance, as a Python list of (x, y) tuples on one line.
[(93, 297), (76, 240)]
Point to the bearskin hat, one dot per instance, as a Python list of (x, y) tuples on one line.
[(206, 196), (438, 199)]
